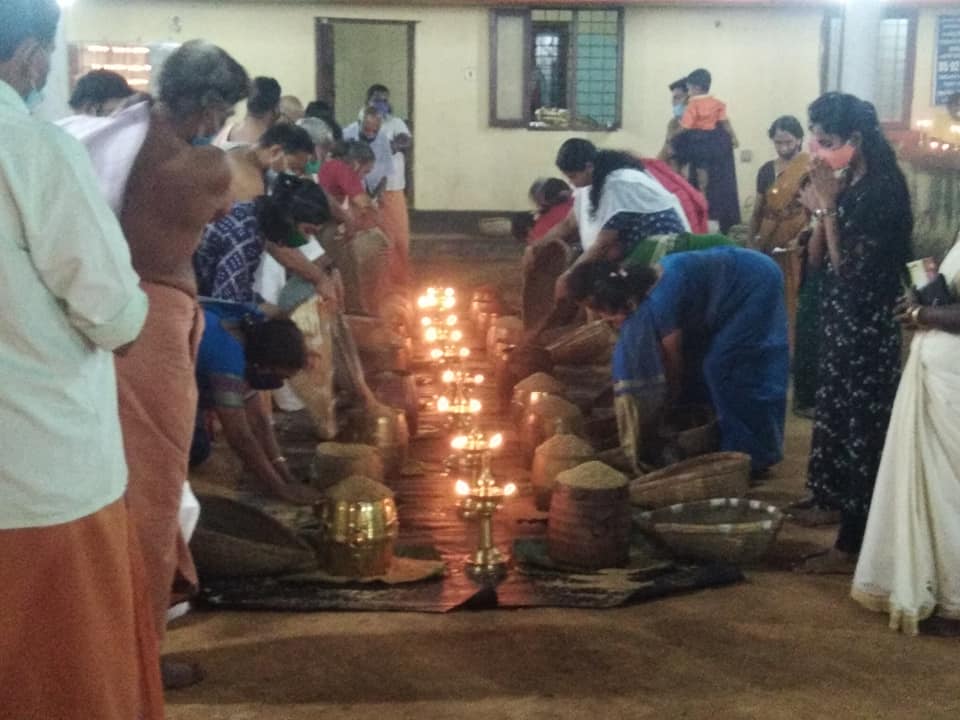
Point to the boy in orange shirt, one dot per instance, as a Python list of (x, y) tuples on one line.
[(704, 113)]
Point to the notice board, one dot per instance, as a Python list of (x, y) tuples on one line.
[(946, 78)]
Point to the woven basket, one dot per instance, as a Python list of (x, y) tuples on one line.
[(718, 530), (589, 344), (725, 474), (236, 540)]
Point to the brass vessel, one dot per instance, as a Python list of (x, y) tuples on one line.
[(358, 538)]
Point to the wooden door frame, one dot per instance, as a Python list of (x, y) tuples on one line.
[(324, 50)]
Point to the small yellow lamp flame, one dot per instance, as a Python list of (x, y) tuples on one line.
[(448, 376), (448, 303), (426, 322), (443, 404), (478, 379), (495, 441), (452, 320), (456, 336), (449, 292), (509, 489), (430, 335), (462, 488), (459, 442), (475, 406), (464, 352), (436, 354)]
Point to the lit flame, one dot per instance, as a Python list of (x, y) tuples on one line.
[(509, 489), (475, 406), (431, 291), (945, 146), (430, 335), (448, 376), (448, 303), (464, 352), (456, 336), (478, 379), (451, 320), (443, 404), (459, 442), (426, 322), (449, 292), (462, 488), (426, 301), (495, 441), (934, 145), (436, 354)]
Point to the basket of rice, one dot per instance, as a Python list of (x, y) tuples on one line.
[(358, 528), (589, 525), (718, 530), (725, 474), (335, 461), (545, 417), (533, 387), (561, 452), (236, 540)]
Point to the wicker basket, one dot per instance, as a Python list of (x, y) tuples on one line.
[(589, 344), (236, 540), (718, 530), (725, 474)]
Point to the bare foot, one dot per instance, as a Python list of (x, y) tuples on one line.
[(180, 675), (832, 562), (814, 517)]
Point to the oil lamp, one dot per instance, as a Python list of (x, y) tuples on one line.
[(480, 501)]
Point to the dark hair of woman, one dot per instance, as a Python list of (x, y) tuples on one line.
[(360, 152), (843, 115), (787, 124), (323, 111), (273, 220), (574, 155), (554, 191), (98, 87), (607, 287), (679, 85), (604, 163), (292, 138), (265, 97), (275, 343)]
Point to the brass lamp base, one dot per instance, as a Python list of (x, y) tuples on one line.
[(487, 563)]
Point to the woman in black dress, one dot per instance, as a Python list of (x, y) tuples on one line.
[(862, 241)]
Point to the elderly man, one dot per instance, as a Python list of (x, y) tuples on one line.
[(393, 201), (176, 186), (75, 636)]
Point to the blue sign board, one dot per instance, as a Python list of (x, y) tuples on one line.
[(946, 70)]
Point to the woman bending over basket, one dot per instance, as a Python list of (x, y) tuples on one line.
[(705, 326)]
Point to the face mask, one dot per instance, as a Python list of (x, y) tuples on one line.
[(202, 140), (313, 167), (678, 110), (33, 99), (383, 106), (837, 158), (258, 380)]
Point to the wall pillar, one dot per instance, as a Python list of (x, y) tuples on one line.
[(861, 35)]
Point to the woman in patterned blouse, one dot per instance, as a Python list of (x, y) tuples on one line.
[(862, 240)]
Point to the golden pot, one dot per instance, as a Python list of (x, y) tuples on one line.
[(389, 433), (358, 537)]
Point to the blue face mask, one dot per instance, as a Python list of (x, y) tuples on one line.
[(202, 140), (678, 110), (383, 106)]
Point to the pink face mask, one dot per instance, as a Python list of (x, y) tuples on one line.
[(837, 158)]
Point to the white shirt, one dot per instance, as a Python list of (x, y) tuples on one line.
[(393, 126), (69, 296), (587, 227), (383, 166)]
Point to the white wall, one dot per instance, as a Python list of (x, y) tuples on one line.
[(765, 63)]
